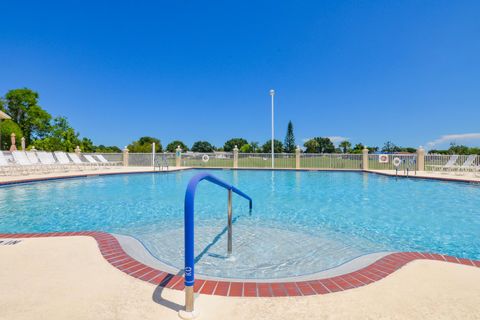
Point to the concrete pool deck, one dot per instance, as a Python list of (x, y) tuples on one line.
[(82, 173), (445, 176), (68, 278)]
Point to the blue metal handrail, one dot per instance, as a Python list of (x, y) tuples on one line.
[(189, 228)]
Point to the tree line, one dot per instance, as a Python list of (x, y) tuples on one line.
[(39, 128), (313, 145), (45, 132), (457, 149)]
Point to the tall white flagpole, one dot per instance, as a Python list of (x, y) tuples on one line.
[(272, 93)]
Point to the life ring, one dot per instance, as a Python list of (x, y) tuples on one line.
[(397, 162), (205, 158), (383, 158)]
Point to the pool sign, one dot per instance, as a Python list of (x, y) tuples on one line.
[(383, 158)]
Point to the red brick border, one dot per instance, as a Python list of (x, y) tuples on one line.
[(117, 257)]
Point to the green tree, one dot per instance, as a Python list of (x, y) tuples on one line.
[(61, 137), (319, 145), (22, 106), (390, 147), (277, 146), (474, 150), (408, 149), (289, 143), (246, 148), (345, 146), (358, 148), (172, 146), (144, 145), (311, 146), (3, 103), (7, 127), (107, 149), (255, 146), (230, 144), (202, 146), (458, 149), (86, 145), (372, 149)]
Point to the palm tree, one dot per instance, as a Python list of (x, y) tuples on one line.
[(345, 145)]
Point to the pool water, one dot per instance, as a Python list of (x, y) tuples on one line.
[(301, 223)]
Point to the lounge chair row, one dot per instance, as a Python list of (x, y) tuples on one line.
[(469, 165), (28, 162)]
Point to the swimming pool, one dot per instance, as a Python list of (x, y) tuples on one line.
[(302, 222)]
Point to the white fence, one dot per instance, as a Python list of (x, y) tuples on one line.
[(404, 161), (432, 162), (282, 160), (210, 159), (331, 161), (112, 157), (264, 160), (443, 162), (148, 160)]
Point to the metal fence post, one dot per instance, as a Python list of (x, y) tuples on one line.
[(178, 157), (297, 157), (125, 157), (235, 157), (420, 159), (365, 159)]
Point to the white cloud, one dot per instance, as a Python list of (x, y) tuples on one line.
[(453, 138)]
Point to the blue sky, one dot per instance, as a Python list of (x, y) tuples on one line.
[(370, 71)]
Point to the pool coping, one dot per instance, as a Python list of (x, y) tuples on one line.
[(113, 252), (89, 174), (177, 169), (424, 177)]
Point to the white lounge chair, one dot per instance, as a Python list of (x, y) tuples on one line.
[(468, 165), (92, 160), (21, 159), (6, 167), (63, 159), (103, 160), (76, 159), (449, 166), (46, 158), (32, 157)]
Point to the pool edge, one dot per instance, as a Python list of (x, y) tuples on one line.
[(112, 251), (178, 169)]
